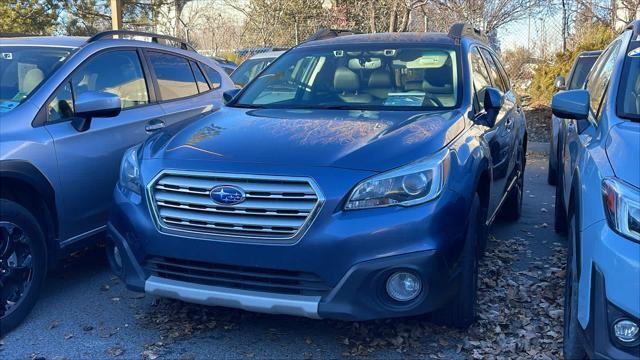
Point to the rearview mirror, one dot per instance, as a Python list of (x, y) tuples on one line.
[(572, 104), (493, 101), (228, 95), (560, 83), (92, 104)]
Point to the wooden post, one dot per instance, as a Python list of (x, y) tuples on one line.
[(116, 14)]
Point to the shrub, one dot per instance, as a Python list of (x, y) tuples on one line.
[(541, 89)]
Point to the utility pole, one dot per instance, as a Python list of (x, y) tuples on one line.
[(116, 14)]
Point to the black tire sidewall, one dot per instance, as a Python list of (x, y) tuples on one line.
[(572, 349), (15, 213)]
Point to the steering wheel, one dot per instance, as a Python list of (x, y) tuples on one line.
[(434, 100)]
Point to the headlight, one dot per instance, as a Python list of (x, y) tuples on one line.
[(412, 184), (130, 170), (622, 206)]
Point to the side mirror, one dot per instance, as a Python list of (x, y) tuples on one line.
[(228, 95), (572, 104), (94, 104), (560, 83), (493, 102)]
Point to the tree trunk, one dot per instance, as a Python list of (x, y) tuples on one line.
[(372, 16)]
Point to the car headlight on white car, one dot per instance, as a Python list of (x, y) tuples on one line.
[(130, 170), (622, 207), (411, 184)]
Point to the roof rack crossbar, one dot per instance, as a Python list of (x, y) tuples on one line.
[(457, 31), (154, 37), (324, 33)]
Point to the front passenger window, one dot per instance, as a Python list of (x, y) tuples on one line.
[(117, 72)]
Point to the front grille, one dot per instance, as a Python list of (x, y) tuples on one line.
[(275, 207), (238, 277)]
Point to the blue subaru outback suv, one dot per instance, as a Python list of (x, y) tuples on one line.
[(353, 179), (69, 108), (599, 204)]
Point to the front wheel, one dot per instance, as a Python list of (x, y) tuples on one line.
[(572, 348), (552, 172), (512, 207), (461, 311), (22, 263)]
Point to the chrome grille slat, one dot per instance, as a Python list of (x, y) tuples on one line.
[(249, 187), (227, 229), (266, 204), (275, 208), (230, 210)]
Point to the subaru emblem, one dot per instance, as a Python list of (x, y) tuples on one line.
[(227, 195)]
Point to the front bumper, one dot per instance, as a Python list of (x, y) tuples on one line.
[(358, 295), (609, 290), (350, 252)]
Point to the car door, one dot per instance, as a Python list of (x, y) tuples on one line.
[(89, 161), (184, 91), (497, 137), (580, 136)]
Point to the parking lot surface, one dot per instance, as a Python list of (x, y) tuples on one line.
[(85, 312)]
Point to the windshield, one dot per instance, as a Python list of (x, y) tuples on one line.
[(367, 77), (248, 70), (629, 92), (23, 68), (580, 73)]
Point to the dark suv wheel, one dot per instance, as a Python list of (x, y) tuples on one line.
[(22, 263), (512, 208), (552, 173)]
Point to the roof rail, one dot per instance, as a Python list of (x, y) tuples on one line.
[(330, 33), (634, 26), (154, 37), (457, 31), (15, 35)]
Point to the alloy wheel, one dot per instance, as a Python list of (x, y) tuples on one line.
[(16, 266)]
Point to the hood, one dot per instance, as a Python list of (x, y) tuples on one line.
[(623, 151), (364, 140)]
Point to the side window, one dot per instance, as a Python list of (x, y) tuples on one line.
[(174, 75), (118, 72), (200, 79), (61, 106), (214, 77), (496, 79), (598, 81), (481, 79)]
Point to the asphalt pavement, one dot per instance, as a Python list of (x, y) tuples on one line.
[(85, 312)]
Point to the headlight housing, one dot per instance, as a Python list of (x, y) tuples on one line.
[(130, 170), (412, 184), (622, 207)]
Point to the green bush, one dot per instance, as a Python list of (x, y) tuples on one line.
[(541, 89)]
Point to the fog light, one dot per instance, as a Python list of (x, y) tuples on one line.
[(403, 286), (626, 331)]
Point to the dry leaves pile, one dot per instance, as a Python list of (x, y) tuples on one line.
[(520, 316), (538, 123)]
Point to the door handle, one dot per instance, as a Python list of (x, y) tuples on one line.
[(509, 124), (153, 125)]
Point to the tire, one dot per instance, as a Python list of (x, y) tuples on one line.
[(114, 258), (560, 218), (552, 173), (512, 208), (572, 348), (461, 311), (24, 266)]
